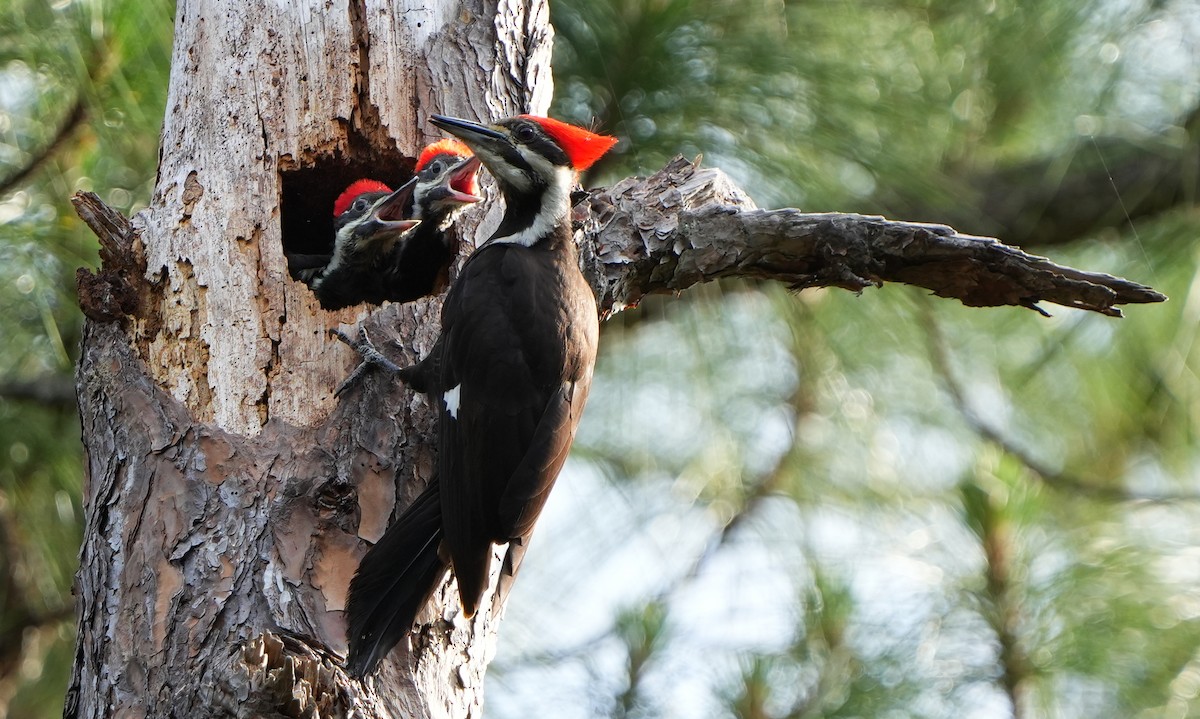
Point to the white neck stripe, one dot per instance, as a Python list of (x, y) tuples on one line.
[(554, 209)]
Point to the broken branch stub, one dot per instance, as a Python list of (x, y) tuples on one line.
[(111, 293)]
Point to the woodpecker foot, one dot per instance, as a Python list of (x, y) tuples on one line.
[(371, 357), (310, 275)]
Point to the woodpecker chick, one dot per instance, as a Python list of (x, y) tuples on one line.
[(308, 267), (367, 267), (446, 183), (370, 221), (511, 371)]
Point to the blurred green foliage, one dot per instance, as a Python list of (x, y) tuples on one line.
[(779, 506), (82, 90)]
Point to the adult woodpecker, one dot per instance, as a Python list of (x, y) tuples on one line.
[(511, 369), (368, 267)]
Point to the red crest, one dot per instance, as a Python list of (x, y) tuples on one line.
[(583, 147), (447, 146), (351, 193)]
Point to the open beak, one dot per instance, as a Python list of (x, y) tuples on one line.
[(464, 187), (387, 217), (390, 210), (478, 137)]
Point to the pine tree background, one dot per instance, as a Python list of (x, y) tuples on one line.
[(779, 505)]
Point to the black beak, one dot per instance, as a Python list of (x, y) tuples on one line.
[(472, 133), (386, 221), (392, 208)]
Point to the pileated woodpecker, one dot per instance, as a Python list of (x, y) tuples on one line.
[(370, 262), (511, 370)]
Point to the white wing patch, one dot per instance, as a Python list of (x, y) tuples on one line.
[(451, 400)]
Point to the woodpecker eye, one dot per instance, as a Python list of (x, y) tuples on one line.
[(360, 204), (524, 133), (436, 166)]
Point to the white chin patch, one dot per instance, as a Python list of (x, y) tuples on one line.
[(451, 400)]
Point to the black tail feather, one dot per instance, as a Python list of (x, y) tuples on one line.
[(508, 571), (393, 582)]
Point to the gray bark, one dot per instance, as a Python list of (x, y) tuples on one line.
[(687, 224), (201, 540)]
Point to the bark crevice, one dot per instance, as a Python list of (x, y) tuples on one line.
[(365, 119), (200, 541)]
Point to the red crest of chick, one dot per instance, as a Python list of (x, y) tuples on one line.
[(448, 146), (583, 147), (351, 193), (465, 183)]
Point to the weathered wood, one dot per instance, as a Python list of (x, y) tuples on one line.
[(113, 293), (200, 539), (686, 224)]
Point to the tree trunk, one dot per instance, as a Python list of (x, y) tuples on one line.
[(228, 491)]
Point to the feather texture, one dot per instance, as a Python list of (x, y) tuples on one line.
[(393, 582)]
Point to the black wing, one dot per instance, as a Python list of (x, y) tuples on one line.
[(489, 415), (530, 484), (516, 393)]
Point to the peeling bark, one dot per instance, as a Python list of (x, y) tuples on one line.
[(204, 544), (228, 492)]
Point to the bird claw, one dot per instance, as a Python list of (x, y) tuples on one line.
[(371, 357), (308, 276)]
